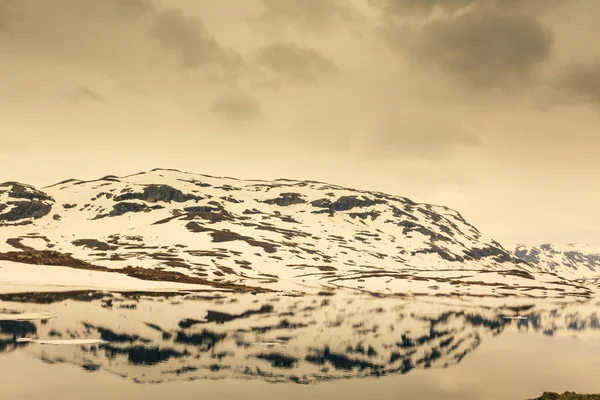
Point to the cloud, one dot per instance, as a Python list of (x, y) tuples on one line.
[(580, 82), (84, 94), (425, 8), (289, 62), (237, 108), (306, 14), (480, 48), (116, 36), (133, 8), (419, 7), (189, 40)]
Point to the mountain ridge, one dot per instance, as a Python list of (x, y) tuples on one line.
[(570, 260), (277, 234)]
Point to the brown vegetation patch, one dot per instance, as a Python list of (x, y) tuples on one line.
[(48, 257), (16, 243)]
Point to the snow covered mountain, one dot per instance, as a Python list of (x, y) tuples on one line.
[(276, 235), (573, 260)]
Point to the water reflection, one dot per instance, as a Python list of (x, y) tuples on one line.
[(272, 337)]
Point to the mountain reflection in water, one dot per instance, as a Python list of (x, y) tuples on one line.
[(273, 337)]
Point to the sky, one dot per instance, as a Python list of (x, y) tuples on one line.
[(491, 107)]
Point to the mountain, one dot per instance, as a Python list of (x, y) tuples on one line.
[(274, 235), (573, 260)]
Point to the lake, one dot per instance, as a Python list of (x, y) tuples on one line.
[(267, 346)]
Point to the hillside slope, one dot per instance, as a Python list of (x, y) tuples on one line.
[(573, 260), (279, 234)]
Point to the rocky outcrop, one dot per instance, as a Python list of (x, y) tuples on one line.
[(156, 193), (21, 191), (19, 202), (126, 207), (25, 209), (286, 199)]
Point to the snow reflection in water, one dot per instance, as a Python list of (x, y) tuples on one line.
[(271, 337)]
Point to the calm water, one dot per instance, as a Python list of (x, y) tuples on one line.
[(227, 346)]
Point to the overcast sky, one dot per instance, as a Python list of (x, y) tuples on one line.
[(491, 107)]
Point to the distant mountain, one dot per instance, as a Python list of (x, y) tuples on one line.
[(573, 260), (279, 235)]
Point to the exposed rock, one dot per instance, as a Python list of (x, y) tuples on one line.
[(26, 209), (286, 199), (231, 199), (156, 193), (366, 214), (346, 203), (321, 203), (126, 207), (499, 255), (20, 191)]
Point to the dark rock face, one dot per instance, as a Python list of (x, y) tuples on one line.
[(499, 255), (20, 191), (126, 207), (156, 193), (25, 209), (29, 203), (286, 199), (365, 215), (346, 203), (200, 209), (408, 226), (321, 203), (531, 256)]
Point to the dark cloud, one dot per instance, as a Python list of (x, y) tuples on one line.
[(481, 48), (84, 94), (133, 8), (580, 82), (99, 32), (419, 7), (403, 8), (237, 108), (288, 62), (307, 14), (193, 45)]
